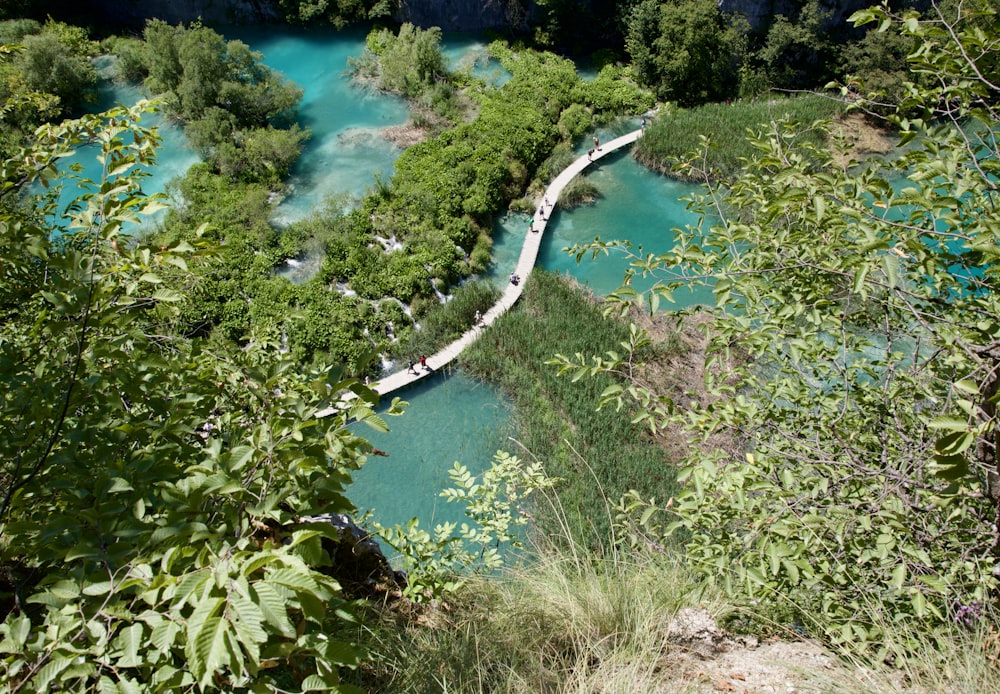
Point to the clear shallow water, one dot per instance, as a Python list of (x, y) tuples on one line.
[(468, 52), (634, 204), (347, 150), (451, 417), (174, 157)]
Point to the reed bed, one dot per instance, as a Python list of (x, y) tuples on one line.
[(598, 454), (671, 139)]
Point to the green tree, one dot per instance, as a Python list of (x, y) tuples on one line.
[(797, 51), (152, 488), (854, 343), (339, 13), (54, 60), (195, 69), (876, 67), (686, 51)]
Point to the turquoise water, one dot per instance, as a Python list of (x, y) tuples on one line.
[(468, 52), (451, 418), (634, 204), (347, 150), (173, 159)]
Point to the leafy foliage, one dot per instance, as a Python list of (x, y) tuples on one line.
[(45, 73), (151, 485), (408, 62), (686, 51), (240, 114), (339, 13), (496, 504), (855, 339)]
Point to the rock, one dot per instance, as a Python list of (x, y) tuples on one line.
[(357, 561), (696, 630), (760, 12), (465, 15), (135, 12)]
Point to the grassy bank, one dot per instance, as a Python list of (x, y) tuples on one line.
[(598, 454), (670, 139), (572, 621)]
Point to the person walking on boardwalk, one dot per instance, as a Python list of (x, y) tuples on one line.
[(410, 368), (597, 144), (423, 363)]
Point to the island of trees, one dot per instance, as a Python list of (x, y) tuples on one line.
[(828, 465)]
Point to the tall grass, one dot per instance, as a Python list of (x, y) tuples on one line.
[(567, 621), (669, 139), (593, 452)]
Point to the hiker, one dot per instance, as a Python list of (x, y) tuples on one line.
[(410, 368), (423, 363), (597, 144)]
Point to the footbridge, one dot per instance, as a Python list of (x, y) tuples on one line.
[(525, 264)]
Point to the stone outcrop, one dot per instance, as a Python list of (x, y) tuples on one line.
[(450, 15), (465, 15), (357, 561), (136, 12)]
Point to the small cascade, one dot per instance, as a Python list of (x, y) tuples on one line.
[(345, 290), (389, 244), (387, 364), (442, 298), (299, 271)]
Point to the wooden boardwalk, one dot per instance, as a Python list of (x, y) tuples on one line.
[(526, 262)]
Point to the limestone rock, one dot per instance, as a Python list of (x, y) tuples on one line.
[(696, 630), (357, 561)]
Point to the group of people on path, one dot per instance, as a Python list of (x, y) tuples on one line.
[(423, 365), (541, 216)]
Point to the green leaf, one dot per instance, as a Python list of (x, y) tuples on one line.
[(272, 607), (129, 641), (210, 648), (44, 680), (890, 263), (950, 423), (164, 635), (898, 576), (294, 579)]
